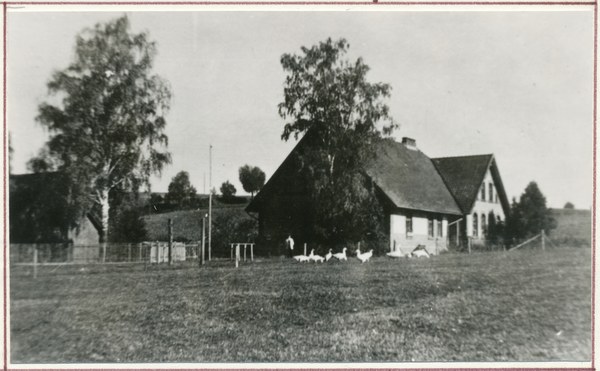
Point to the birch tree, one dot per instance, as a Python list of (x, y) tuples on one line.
[(106, 116), (328, 95)]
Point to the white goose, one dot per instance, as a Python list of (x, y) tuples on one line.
[(341, 255), (301, 258), (314, 257), (364, 257), (328, 256), (395, 254)]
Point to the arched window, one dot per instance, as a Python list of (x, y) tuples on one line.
[(483, 225), (483, 192), (491, 190), (475, 225)]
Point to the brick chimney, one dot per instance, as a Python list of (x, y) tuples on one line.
[(409, 143)]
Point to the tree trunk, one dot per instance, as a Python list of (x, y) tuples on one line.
[(103, 198)]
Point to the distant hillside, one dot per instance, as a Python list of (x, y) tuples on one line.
[(573, 227)]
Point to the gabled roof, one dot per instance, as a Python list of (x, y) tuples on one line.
[(409, 179), (270, 186), (464, 175)]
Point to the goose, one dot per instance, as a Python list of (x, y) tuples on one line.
[(301, 258), (328, 256), (314, 257), (341, 255), (395, 254), (364, 257)]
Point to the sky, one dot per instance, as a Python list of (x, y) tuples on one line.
[(518, 84)]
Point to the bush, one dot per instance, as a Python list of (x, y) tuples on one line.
[(128, 227), (232, 226)]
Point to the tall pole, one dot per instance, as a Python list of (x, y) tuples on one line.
[(209, 200), (170, 241), (203, 229)]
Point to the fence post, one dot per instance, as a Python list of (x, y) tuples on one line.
[(170, 242), (252, 252), (543, 240), (469, 243), (237, 254), (104, 252), (140, 251), (359, 246), (35, 258), (305, 249), (245, 245)]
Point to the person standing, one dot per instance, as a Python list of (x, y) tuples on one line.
[(290, 246)]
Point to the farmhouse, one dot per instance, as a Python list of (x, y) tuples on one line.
[(438, 203), (39, 212)]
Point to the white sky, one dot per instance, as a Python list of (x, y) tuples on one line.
[(518, 84)]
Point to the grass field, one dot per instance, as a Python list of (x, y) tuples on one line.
[(573, 227), (498, 306)]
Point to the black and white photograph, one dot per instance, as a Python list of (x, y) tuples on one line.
[(277, 185)]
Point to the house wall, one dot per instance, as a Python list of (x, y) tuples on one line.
[(484, 206), (401, 239), (282, 216), (85, 235)]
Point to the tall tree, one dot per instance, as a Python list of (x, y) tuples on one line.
[(252, 178), (330, 96), (530, 215), (181, 191), (107, 128)]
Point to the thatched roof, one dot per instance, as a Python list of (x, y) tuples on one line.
[(464, 175), (410, 181)]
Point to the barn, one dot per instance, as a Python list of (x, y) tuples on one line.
[(39, 212), (438, 203)]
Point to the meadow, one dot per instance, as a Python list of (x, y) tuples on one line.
[(527, 305)]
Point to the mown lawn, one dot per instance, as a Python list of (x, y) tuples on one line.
[(518, 306)]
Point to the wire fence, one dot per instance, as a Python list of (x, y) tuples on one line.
[(145, 252)]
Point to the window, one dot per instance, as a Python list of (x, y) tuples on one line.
[(483, 225), (408, 224), (475, 225), (440, 231), (496, 197), (483, 192), (430, 229), (491, 188)]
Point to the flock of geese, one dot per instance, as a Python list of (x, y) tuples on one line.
[(363, 257)]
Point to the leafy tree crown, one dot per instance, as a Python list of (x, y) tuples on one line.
[(107, 129)]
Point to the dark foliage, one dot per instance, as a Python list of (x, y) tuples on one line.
[(252, 178), (231, 226), (129, 226), (181, 192), (569, 205), (529, 216), (330, 98), (39, 208), (228, 190)]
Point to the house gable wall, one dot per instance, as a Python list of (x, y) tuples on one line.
[(483, 206), (85, 235)]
